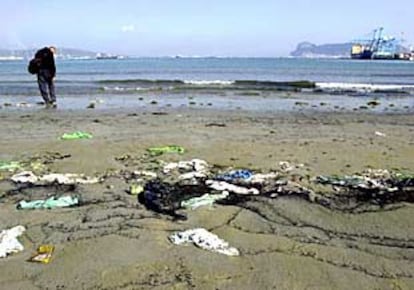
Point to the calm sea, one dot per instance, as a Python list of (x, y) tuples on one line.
[(120, 77)]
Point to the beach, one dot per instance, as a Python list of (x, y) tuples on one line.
[(112, 241), (207, 145)]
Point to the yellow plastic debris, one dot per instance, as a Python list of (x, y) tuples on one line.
[(135, 189), (44, 254)]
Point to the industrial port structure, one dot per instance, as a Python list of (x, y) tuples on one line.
[(380, 47)]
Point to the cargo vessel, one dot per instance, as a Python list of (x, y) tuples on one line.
[(359, 51), (107, 56)]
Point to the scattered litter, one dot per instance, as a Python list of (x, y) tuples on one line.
[(166, 198), (194, 183), (166, 149), (262, 178), (135, 189), (198, 165), (52, 202), (378, 133), (222, 185), (193, 169), (192, 175), (235, 174), (38, 166), (357, 181), (376, 173), (9, 166), (340, 180), (372, 187), (44, 254), (67, 178), (145, 173), (8, 241), (285, 166), (25, 177), (206, 199), (76, 135), (205, 240)]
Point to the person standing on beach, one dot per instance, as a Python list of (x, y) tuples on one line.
[(46, 75)]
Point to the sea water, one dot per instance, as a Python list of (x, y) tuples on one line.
[(173, 81)]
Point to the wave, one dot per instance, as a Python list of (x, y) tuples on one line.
[(141, 81), (125, 89), (203, 83), (300, 84), (393, 75), (365, 87), (209, 84)]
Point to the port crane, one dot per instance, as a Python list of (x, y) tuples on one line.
[(377, 46)]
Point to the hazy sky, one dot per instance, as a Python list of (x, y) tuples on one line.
[(197, 27)]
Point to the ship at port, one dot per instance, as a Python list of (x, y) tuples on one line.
[(379, 46), (100, 55)]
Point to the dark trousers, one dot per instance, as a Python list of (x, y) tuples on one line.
[(46, 86)]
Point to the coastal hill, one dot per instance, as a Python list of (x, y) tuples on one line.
[(65, 53), (310, 50)]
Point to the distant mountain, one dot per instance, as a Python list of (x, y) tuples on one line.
[(64, 53), (310, 50)]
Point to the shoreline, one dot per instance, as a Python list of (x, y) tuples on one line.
[(226, 100)]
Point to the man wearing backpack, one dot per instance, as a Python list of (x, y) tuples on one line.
[(46, 74)]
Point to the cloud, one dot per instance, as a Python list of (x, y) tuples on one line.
[(128, 28)]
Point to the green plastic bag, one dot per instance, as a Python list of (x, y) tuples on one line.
[(204, 200), (10, 166), (52, 202), (76, 135)]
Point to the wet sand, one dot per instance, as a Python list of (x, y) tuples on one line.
[(113, 242)]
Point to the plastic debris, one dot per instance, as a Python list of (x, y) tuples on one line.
[(76, 135), (262, 178), (286, 166), (25, 177), (340, 180), (166, 149), (192, 175), (224, 186), (206, 199), (166, 198), (9, 166), (376, 173), (356, 181), (8, 241), (190, 184), (205, 240), (145, 173), (378, 133), (44, 254), (197, 165), (135, 189), (193, 169), (235, 174), (67, 178), (52, 202)]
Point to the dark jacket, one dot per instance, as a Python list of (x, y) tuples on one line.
[(47, 61)]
